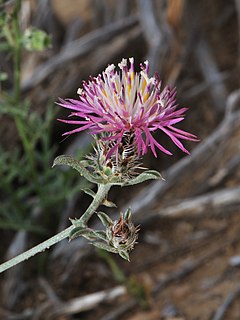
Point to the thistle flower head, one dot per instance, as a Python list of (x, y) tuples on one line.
[(127, 102)]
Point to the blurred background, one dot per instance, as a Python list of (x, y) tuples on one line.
[(186, 264)]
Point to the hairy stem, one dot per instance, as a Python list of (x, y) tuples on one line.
[(100, 195), (39, 248)]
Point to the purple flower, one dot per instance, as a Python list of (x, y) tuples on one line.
[(116, 103)]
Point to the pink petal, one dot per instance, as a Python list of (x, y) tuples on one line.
[(154, 143), (77, 130), (175, 140)]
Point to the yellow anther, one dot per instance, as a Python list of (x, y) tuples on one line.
[(129, 89), (132, 76), (144, 85), (145, 97)]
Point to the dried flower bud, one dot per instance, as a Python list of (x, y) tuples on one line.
[(122, 234)]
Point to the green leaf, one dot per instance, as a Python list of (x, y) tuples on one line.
[(124, 255), (106, 220), (89, 235), (84, 232), (127, 214), (11, 110), (77, 165), (144, 176), (104, 246), (101, 235), (90, 192), (76, 232), (108, 203)]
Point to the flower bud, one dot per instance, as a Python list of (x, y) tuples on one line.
[(122, 234)]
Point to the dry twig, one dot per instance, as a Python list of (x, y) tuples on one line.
[(88, 302), (157, 33), (178, 251), (191, 266), (214, 203), (211, 74), (222, 310)]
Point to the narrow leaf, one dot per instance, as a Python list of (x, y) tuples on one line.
[(76, 232), (77, 165), (124, 255), (104, 246), (109, 204), (84, 232), (106, 220), (127, 214), (101, 235), (91, 236), (90, 192), (144, 176)]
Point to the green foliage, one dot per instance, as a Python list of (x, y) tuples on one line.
[(105, 219), (144, 176), (29, 188), (80, 166), (83, 168), (35, 40), (27, 181)]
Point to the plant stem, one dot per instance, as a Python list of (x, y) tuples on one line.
[(17, 52), (39, 248), (100, 195)]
